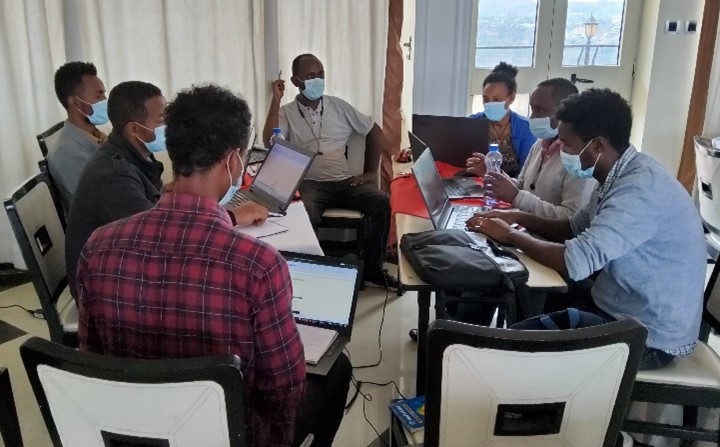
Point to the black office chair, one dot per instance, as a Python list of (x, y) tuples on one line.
[(490, 386), (691, 382), (46, 138), (9, 426), (39, 226), (95, 400)]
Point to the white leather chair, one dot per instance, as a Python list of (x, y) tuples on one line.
[(707, 163), (37, 219), (506, 388), (97, 401), (47, 139), (692, 382)]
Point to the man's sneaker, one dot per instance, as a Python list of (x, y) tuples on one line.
[(381, 278)]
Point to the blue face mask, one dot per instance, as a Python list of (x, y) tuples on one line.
[(234, 186), (495, 111), (314, 88), (158, 144), (99, 112), (573, 165), (542, 129)]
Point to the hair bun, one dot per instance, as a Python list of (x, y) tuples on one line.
[(506, 69)]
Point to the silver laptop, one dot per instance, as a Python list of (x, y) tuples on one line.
[(278, 179), (456, 187), (444, 215), (325, 293)]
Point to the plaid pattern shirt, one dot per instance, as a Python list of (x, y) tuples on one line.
[(179, 281)]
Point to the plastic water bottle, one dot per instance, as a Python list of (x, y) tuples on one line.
[(276, 135), (493, 161)]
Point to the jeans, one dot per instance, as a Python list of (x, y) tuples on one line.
[(369, 200)]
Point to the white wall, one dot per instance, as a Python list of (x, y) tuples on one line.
[(663, 80)]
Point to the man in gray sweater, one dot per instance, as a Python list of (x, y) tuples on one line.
[(640, 231)]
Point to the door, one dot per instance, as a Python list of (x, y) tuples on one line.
[(596, 41), (407, 41)]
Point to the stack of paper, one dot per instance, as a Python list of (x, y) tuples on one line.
[(316, 341)]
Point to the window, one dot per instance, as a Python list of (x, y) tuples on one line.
[(506, 32), (592, 32)]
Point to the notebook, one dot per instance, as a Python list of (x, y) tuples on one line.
[(325, 292), (443, 214), (278, 179), (456, 187)]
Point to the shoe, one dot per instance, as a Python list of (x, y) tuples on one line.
[(382, 278), (413, 335)]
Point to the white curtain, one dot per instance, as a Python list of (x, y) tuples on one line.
[(349, 37), (31, 47), (175, 44)]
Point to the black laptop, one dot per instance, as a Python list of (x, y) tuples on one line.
[(443, 214), (456, 187), (452, 139), (325, 293)]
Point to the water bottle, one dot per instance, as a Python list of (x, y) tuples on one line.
[(493, 161), (276, 135)]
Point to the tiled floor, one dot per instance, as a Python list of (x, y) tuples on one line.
[(398, 362)]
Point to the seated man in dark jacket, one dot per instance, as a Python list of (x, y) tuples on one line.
[(123, 177)]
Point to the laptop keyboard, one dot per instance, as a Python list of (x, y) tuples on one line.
[(463, 213), (238, 199)]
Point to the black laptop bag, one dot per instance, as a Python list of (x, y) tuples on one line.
[(452, 260)]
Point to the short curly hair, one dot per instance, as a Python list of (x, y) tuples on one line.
[(204, 123), (598, 113), (503, 73), (69, 79)]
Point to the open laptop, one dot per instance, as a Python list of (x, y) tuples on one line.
[(278, 179), (325, 294), (452, 139), (456, 187), (443, 214)]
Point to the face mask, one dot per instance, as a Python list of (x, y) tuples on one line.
[(542, 129), (495, 111), (573, 165), (99, 112), (158, 144), (234, 186), (314, 88)]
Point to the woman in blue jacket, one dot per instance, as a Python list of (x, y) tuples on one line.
[(508, 129)]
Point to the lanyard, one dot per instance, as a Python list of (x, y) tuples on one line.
[(317, 137)]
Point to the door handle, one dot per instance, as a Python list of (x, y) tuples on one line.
[(574, 79), (408, 45)]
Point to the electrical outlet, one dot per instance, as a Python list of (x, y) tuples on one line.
[(690, 26), (672, 26)]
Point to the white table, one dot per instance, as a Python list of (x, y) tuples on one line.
[(300, 237)]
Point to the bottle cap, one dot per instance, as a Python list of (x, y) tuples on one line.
[(277, 130)]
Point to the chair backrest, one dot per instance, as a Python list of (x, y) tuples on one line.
[(60, 205), (94, 400), (39, 229), (47, 139), (9, 425), (711, 312), (503, 387)]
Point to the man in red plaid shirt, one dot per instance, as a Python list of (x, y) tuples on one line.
[(180, 281)]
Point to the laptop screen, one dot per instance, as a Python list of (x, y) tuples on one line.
[(324, 292), (281, 172), (431, 187)]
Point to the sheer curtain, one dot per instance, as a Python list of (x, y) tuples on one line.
[(31, 47), (175, 44), (349, 37)]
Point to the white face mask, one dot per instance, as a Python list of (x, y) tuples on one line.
[(234, 185), (542, 129), (573, 165)]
